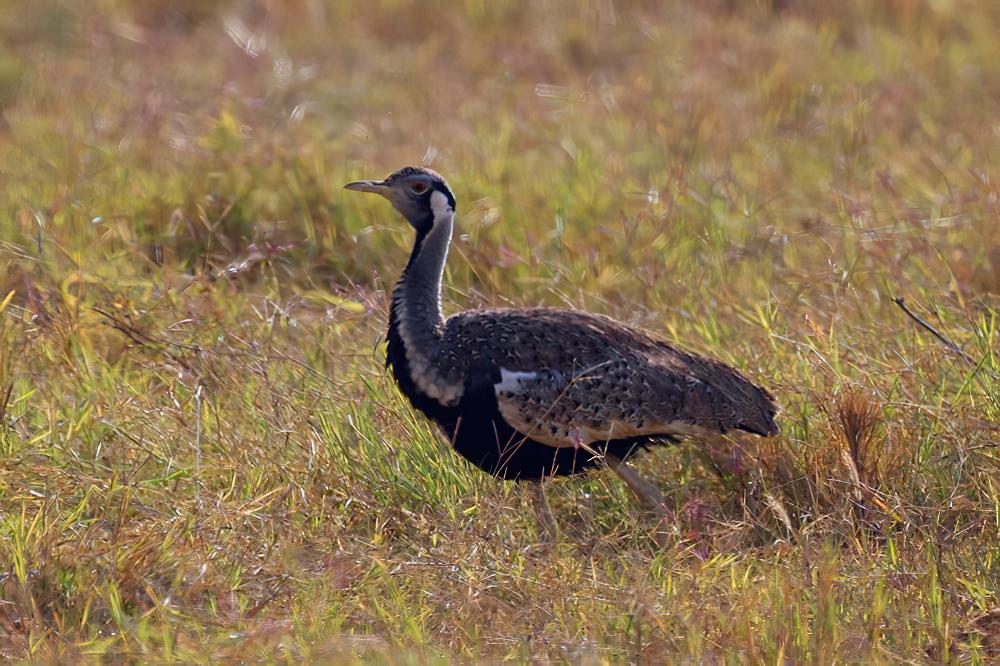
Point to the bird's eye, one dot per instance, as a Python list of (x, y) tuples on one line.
[(418, 188)]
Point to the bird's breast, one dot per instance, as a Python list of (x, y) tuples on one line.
[(417, 364)]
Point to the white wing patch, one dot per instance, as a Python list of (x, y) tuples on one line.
[(510, 380), (554, 409)]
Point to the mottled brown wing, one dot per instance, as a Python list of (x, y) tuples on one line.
[(564, 377)]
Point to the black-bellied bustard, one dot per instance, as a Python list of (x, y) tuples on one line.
[(525, 394)]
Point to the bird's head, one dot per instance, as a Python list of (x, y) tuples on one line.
[(421, 195)]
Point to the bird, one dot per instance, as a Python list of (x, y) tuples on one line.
[(526, 394)]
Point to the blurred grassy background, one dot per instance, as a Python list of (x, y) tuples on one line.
[(201, 457)]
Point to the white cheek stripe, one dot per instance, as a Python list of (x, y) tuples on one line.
[(510, 380), (439, 205)]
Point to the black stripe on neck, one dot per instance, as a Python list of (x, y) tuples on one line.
[(422, 231)]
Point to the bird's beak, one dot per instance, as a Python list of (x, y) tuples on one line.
[(376, 186)]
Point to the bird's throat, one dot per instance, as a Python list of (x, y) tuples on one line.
[(416, 311), (417, 296)]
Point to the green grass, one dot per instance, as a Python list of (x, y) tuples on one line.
[(207, 464)]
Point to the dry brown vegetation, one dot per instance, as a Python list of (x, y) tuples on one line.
[(201, 457)]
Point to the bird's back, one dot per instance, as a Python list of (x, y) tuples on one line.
[(573, 369)]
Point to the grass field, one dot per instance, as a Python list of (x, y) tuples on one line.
[(202, 457)]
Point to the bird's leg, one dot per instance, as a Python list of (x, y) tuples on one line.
[(548, 530), (647, 493)]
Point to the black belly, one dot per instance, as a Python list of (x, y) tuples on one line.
[(481, 435)]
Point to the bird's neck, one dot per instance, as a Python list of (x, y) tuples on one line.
[(416, 300)]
